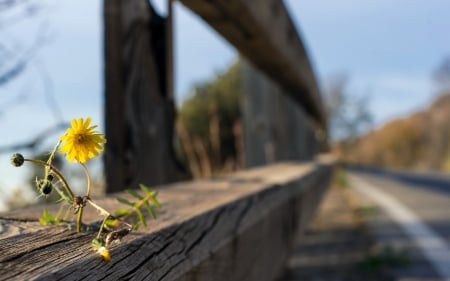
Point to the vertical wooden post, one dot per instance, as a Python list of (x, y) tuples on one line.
[(170, 77), (139, 107)]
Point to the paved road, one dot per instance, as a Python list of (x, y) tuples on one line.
[(414, 216), (334, 245)]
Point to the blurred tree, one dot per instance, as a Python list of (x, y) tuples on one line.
[(348, 114), (15, 56), (418, 141), (19, 53), (441, 75), (207, 123)]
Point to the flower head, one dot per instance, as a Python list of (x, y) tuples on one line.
[(104, 253), (81, 142)]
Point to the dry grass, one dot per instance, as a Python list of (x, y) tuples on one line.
[(420, 141)]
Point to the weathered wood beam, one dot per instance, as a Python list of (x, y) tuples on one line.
[(238, 227), (264, 33), (274, 127), (139, 107)]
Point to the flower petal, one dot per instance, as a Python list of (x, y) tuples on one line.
[(81, 142)]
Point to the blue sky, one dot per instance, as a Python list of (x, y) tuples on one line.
[(388, 49)]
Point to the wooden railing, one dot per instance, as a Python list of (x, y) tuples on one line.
[(238, 227), (265, 35), (139, 106)]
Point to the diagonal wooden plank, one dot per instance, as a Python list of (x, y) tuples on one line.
[(265, 34)]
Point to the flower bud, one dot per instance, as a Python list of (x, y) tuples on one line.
[(17, 159), (44, 186), (98, 246), (50, 177)]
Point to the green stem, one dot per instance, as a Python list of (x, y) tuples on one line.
[(143, 200), (99, 209), (52, 155), (57, 173), (106, 214), (79, 218), (88, 177), (101, 227), (138, 205), (102, 212)]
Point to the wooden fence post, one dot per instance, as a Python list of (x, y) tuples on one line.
[(139, 107)]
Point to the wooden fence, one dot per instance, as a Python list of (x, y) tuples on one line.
[(237, 227), (139, 106)]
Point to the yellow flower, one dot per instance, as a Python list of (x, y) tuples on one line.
[(81, 142), (104, 253)]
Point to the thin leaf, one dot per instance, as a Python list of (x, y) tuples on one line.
[(111, 223), (153, 195), (125, 201), (154, 200), (144, 188), (122, 212), (63, 196), (135, 221), (59, 213), (141, 217), (134, 193), (47, 216), (66, 214), (150, 209)]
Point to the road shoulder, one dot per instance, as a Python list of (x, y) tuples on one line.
[(404, 259), (336, 245)]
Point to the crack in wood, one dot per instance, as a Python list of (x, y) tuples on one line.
[(205, 232), (168, 234), (17, 248)]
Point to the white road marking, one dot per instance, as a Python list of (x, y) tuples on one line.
[(433, 247)]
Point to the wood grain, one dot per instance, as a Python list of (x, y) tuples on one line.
[(139, 107), (237, 227)]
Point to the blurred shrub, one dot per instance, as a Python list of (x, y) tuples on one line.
[(420, 141), (209, 127)]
